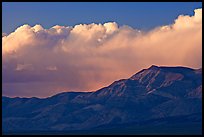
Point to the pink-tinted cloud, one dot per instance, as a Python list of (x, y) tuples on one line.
[(41, 62)]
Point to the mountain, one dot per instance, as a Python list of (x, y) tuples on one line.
[(157, 100)]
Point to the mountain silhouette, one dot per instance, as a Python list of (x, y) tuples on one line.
[(158, 100)]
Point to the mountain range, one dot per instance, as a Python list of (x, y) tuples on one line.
[(156, 100)]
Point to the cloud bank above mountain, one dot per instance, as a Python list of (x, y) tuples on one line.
[(42, 62)]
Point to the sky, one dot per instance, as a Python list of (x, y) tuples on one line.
[(51, 48), (139, 15)]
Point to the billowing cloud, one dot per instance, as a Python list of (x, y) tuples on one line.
[(42, 62)]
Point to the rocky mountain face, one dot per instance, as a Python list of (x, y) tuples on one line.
[(157, 96)]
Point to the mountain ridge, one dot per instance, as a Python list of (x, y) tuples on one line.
[(152, 67), (153, 93)]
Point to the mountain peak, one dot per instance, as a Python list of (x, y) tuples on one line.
[(153, 67), (153, 93), (175, 69)]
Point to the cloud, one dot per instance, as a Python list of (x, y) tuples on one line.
[(4, 34), (21, 67), (86, 57), (52, 68)]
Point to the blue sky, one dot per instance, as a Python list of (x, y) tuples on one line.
[(140, 15)]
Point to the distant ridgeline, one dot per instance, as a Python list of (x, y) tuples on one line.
[(157, 100)]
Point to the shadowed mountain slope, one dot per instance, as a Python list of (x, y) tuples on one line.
[(154, 96)]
